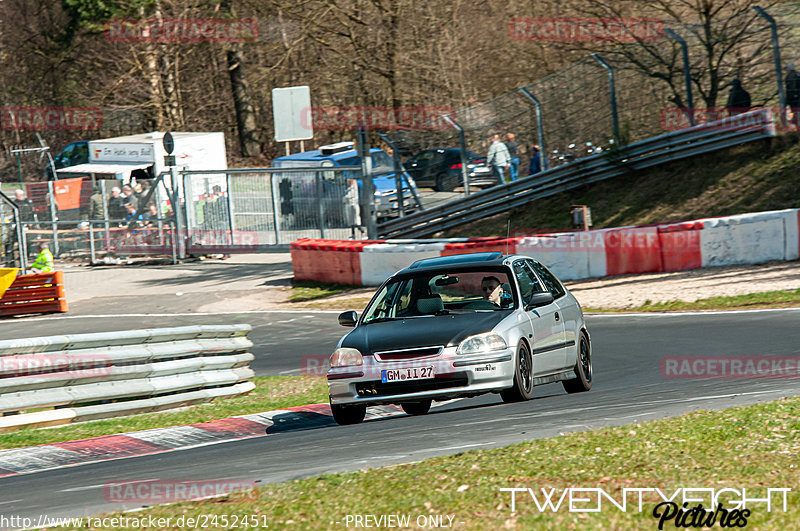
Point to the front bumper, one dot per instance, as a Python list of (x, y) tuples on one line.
[(454, 375)]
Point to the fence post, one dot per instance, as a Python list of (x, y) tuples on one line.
[(105, 214), (612, 88), (539, 125), (367, 186), (687, 74), (401, 172), (776, 55), (230, 204), (320, 208), (275, 205), (53, 216), (463, 151), (176, 211)]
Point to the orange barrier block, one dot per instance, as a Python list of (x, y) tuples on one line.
[(36, 293)]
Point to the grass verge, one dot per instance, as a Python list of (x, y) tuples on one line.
[(309, 290), (751, 301), (271, 392), (755, 447)]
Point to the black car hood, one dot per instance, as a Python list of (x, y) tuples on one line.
[(448, 330)]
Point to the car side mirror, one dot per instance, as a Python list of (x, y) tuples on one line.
[(348, 318), (539, 299)]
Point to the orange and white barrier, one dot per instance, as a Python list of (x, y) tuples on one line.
[(36, 293), (742, 239)]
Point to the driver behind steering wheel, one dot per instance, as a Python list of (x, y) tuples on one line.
[(492, 289)]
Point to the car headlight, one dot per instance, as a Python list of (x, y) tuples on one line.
[(482, 343), (346, 357)]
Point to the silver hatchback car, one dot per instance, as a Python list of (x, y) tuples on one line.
[(460, 326)]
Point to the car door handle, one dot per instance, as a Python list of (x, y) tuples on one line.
[(557, 317)]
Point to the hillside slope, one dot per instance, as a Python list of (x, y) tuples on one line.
[(747, 178)]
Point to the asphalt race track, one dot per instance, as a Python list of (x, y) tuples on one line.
[(628, 387)]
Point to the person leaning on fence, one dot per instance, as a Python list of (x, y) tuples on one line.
[(96, 204), (498, 158), (793, 93), (512, 147), (44, 260), (25, 205), (738, 99)]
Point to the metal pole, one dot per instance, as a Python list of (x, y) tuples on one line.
[(539, 125), (612, 88), (398, 167), (19, 169), (320, 208), (105, 213), (176, 211), (687, 74), (275, 205), (776, 54), (92, 254), (463, 148), (368, 212), (230, 204), (53, 216)]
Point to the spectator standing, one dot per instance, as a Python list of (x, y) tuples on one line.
[(793, 92), (352, 211), (738, 99), (536, 160), (128, 196), (25, 205), (498, 158), (151, 215), (116, 204), (512, 147), (96, 204)]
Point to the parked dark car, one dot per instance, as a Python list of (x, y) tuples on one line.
[(441, 169)]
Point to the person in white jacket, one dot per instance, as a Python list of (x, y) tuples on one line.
[(498, 158)]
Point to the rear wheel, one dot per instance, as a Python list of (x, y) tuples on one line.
[(583, 368), (416, 408), (444, 183), (344, 415), (523, 377)]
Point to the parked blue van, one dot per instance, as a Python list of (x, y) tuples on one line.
[(299, 191)]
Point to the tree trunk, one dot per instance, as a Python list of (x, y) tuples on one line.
[(245, 113)]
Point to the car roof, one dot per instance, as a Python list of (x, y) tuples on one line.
[(491, 259), (315, 155)]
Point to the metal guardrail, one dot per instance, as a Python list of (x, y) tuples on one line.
[(94, 376), (704, 138)]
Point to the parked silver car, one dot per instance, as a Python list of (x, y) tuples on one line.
[(460, 326)]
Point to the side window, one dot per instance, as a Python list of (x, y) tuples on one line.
[(80, 154), (551, 283), (528, 284)]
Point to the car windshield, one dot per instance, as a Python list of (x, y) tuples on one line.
[(441, 293)]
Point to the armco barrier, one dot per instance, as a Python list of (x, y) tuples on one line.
[(37, 293), (93, 376), (742, 239)]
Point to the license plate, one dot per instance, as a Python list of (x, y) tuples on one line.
[(401, 375), (482, 170)]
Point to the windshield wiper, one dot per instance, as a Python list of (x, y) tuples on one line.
[(443, 311)]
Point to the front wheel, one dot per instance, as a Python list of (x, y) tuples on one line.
[(445, 183), (523, 377), (583, 368), (344, 415), (417, 408)]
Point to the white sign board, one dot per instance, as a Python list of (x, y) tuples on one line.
[(121, 152), (291, 114)]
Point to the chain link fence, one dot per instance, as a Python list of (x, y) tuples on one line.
[(651, 98)]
